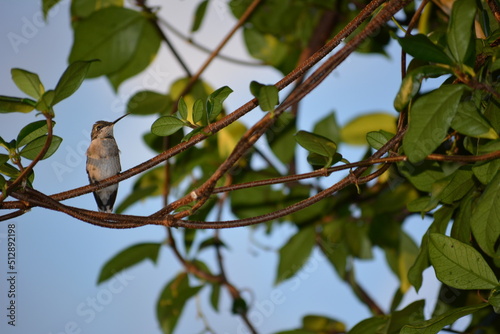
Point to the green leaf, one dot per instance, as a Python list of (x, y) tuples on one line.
[(370, 325), (239, 306), (316, 144), (328, 127), (111, 35), (198, 111), (429, 120), (144, 54), (215, 100), (420, 46), (147, 102), (453, 187), (215, 296), (83, 8), (280, 137), (182, 108), (485, 171), (71, 80), (166, 125), (128, 258), (470, 122), (9, 170), (172, 300), (267, 95), (320, 161), (15, 104), (460, 29), (435, 324), (486, 217), (47, 6), (422, 175), (295, 252), (28, 82), (46, 102), (411, 83), (355, 131), (265, 47), (377, 139), (411, 314), (199, 15), (31, 132), (441, 219), (318, 323), (33, 148), (3, 158), (459, 265), (357, 240)]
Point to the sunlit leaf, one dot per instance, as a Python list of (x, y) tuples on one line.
[(166, 125), (355, 131), (459, 265), (28, 82)]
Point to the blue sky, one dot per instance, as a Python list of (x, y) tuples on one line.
[(59, 258)]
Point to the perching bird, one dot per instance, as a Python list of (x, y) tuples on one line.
[(103, 161)]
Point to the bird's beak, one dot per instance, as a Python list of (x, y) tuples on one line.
[(120, 118)]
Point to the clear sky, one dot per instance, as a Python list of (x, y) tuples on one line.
[(59, 258)]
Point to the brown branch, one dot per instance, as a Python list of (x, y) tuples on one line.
[(24, 173), (228, 119)]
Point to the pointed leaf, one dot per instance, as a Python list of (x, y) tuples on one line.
[(128, 258), (316, 143), (182, 108), (421, 47), (295, 253), (147, 102), (411, 83), (31, 132), (166, 125), (198, 111), (461, 28), (15, 104), (199, 15), (435, 324), (215, 100), (268, 97), (71, 80), (470, 122), (33, 148), (111, 35), (430, 118), (172, 300), (459, 265), (28, 82), (486, 217)]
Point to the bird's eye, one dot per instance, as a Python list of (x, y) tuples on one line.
[(99, 127)]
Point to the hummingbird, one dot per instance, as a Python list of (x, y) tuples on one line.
[(103, 161)]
